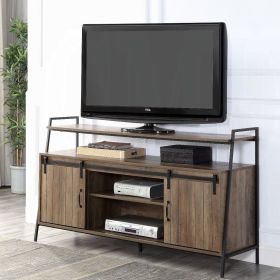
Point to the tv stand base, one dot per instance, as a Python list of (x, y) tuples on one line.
[(149, 128)]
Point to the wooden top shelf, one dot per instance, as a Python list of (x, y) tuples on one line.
[(178, 136)]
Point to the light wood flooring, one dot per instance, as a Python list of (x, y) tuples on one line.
[(13, 225)]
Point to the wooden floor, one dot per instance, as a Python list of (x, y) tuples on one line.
[(12, 225)]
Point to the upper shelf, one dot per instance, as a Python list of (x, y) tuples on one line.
[(178, 136)]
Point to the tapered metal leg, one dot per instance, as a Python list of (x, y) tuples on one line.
[(257, 256), (223, 263), (36, 232), (140, 248)]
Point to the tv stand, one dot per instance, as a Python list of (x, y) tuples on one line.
[(149, 128), (209, 208)]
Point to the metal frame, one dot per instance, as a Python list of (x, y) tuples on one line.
[(170, 175), (49, 130), (226, 255), (46, 160)]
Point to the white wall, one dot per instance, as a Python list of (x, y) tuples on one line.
[(253, 81), (253, 89)]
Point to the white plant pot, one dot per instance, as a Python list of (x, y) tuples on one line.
[(18, 179)]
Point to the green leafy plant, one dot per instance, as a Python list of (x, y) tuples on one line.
[(15, 76)]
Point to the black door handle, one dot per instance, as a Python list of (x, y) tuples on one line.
[(167, 211), (80, 204)]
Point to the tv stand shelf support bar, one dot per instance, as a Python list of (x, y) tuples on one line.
[(46, 158), (49, 130), (228, 191)]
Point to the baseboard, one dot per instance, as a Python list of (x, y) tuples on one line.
[(269, 248), (268, 256)]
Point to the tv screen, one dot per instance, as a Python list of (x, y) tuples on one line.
[(155, 73)]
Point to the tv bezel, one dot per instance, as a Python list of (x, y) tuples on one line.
[(164, 115)]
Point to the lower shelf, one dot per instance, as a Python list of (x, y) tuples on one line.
[(132, 238)]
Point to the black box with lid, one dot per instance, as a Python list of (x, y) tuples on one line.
[(186, 154)]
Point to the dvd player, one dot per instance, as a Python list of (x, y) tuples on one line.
[(140, 188), (136, 225)]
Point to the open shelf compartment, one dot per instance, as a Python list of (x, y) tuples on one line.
[(103, 204)]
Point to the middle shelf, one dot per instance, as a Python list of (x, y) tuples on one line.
[(111, 195)]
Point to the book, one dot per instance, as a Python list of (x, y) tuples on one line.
[(110, 145), (109, 153)]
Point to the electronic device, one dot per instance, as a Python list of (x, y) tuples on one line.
[(140, 188), (154, 73), (136, 225), (187, 154)]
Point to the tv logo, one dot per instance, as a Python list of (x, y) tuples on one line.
[(148, 110)]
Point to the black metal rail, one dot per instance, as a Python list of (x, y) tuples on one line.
[(49, 130), (228, 190)]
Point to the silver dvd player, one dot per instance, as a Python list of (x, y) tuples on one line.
[(140, 188), (135, 225)]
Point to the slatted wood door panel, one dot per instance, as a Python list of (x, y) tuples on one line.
[(195, 217), (63, 196)]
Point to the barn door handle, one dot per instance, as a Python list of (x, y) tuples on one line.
[(214, 181), (81, 169), (80, 204), (45, 161), (167, 211), (169, 174)]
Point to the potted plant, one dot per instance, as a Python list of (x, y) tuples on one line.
[(15, 76)]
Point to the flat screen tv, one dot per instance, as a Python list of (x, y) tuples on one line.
[(155, 73)]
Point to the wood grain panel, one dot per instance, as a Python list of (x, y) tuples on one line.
[(218, 203), (199, 215), (62, 194), (196, 214), (60, 188), (78, 190), (177, 136), (43, 196), (148, 163), (241, 227), (193, 210), (174, 212), (167, 213), (69, 196), (50, 174), (56, 196), (207, 217)]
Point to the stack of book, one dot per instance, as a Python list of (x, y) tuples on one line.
[(111, 150)]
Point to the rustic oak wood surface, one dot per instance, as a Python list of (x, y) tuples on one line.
[(62, 194), (148, 161), (193, 214), (178, 136)]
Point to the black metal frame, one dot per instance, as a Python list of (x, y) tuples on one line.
[(170, 175), (226, 255), (49, 130), (46, 159)]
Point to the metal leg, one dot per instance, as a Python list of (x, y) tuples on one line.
[(140, 248), (257, 205), (223, 263), (36, 232), (225, 229), (228, 188), (257, 255)]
